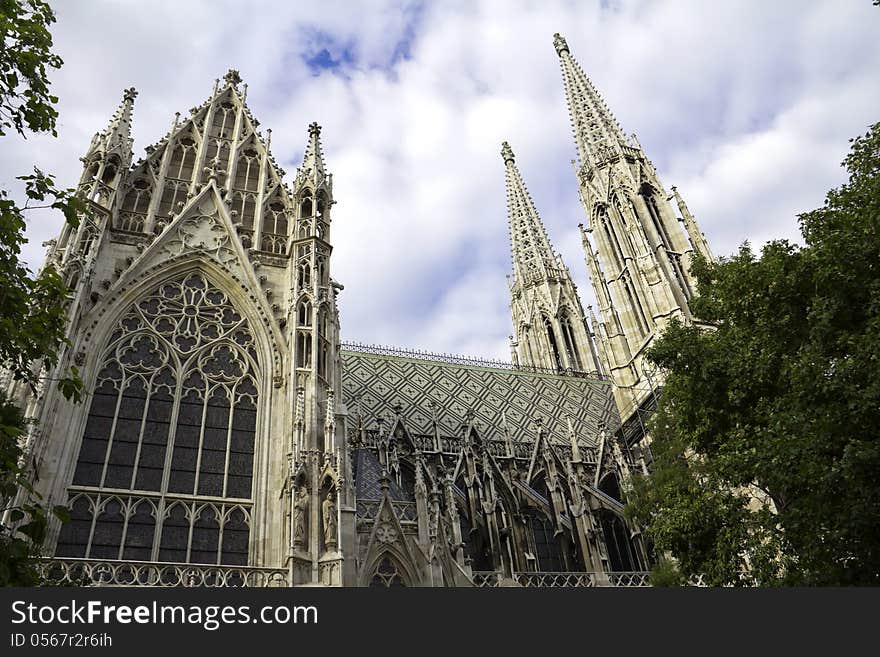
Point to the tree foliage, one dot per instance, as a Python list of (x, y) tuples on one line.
[(25, 101), (767, 438), (32, 307)]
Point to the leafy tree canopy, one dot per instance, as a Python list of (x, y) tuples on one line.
[(32, 307), (767, 438)]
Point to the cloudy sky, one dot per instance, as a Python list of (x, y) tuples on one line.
[(746, 106)]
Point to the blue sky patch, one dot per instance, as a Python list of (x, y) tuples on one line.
[(326, 54)]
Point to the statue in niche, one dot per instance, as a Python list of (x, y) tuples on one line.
[(300, 504), (328, 513)]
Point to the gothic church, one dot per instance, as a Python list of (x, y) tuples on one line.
[(230, 437)]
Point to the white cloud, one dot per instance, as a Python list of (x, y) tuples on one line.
[(747, 107)]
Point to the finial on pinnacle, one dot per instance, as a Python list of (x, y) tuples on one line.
[(507, 152), (314, 129), (129, 94), (232, 77), (560, 44)]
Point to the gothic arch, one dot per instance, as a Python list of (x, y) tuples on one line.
[(241, 295), (233, 334), (387, 569)]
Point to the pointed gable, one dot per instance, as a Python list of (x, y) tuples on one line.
[(218, 140)]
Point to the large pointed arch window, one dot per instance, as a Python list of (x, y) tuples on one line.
[(165, 467)]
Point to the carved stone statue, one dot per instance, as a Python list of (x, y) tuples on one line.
[(298, 519), (328, 513)]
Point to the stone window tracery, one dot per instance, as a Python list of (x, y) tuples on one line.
[(386, 574), (275, 218), (247, 172), (165, 467), (183, 160), (134, 209), (245, 206), (173, 198)]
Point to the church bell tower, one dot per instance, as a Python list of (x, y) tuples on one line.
[(637, 255)]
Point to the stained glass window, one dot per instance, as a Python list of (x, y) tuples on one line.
[(165, 467)]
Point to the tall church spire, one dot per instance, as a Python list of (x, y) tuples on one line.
[(551, 332), (532, 254), (596, 131), (116, 138), (109, 155), (637, 254)]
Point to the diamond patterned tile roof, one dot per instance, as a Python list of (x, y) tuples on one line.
[(373, 384)]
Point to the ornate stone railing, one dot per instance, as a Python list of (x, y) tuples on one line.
[(485, 579), (275, 244), (456, 359), (635, 579), (555, 580), (630, 579), (132, 221), (97, 572)]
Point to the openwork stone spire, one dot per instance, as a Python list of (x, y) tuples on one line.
[(596, 131), (533, 257), (547, 316), (313, 160), (116, 138)]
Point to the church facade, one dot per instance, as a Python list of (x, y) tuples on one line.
[(231, 437)]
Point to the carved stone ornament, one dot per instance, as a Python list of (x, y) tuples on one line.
[(203, 233), (386, 533)]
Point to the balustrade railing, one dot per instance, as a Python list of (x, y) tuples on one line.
[(485, 579), (276, 244), (96, 572), (633, 579), (555, 580), (630, 579), (132, 221)]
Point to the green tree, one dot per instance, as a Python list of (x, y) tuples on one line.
[(767, 437), (32, 322)]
